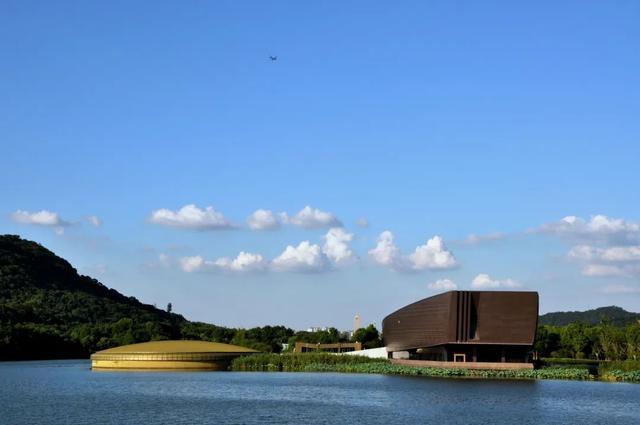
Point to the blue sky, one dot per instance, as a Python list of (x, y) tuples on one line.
[(430, 120)]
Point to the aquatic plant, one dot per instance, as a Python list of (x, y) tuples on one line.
[(323, 362)]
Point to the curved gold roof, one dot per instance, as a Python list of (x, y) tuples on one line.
[(177, 346)]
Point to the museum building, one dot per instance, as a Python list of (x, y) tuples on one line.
[(465, 326)]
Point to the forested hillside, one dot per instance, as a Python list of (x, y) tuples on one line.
[(613, 315), (48, 310)]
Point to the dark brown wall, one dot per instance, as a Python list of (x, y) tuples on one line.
[(507, 317), (421, 324), (475, 317)]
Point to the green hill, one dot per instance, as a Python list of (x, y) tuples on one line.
[(48, 310), (614, 315)]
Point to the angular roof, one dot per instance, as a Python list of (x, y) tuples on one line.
[(177, 346)]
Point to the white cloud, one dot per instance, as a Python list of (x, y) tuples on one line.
[(263, 220), (336, 245), (612, 254), (386, 253), (362, 222), (40, 218), (312, 218), (190, 216), (612, 231), (611, 261), (474, 239), (443, 285), (432, 256), (484, 281), (192, 264), (244, 262), (620, 289), (94, 220), (303, 258), (598, 270)]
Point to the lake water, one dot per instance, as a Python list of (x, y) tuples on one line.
[(68, 392)]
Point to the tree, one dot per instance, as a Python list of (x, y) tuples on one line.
[(169, 308), (612, 340), (369, 337), (547, 341), (575, 340), (632, 336)]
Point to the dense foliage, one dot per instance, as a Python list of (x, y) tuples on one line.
[(295, 362), (322, 362), (577, 340), (369, 337), (48, 310), (613, 315)]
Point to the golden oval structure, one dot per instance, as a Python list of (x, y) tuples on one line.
[(169, 355)]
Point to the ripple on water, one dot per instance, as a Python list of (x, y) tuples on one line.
[(67, 392)]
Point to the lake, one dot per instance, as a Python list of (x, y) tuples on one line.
[(68, 392)]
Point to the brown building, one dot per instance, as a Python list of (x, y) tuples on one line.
[(468, 326)]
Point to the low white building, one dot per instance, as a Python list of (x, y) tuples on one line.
[(372, 353)]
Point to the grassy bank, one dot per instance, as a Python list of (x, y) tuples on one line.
[(624, 370), (292, 362), (617, 370), (322, 362)]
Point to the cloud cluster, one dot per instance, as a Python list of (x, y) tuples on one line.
[(263, 220), (192, 264), (190, 217), (46, 218), (606, 246), (193, 217), (433, 255), (244, 262), (598, 228), (443, 285), (305, 257), (312, 218), (386, 253), (484, 281), (40, 218), (607, 261), (336, 245)]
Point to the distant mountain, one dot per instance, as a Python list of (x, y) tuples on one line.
[(615, 315), (48, 310)]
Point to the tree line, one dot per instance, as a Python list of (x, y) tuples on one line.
[(603, 341)]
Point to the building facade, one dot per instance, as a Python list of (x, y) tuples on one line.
[(465, 326)]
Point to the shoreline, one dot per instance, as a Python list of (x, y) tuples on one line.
[(364, 365), (322, 362)]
